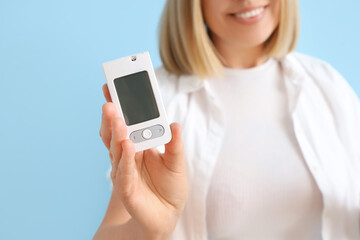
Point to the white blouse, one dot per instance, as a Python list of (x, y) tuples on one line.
[(261, 185), (325, 118)]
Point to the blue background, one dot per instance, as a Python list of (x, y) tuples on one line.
[(52, 161)]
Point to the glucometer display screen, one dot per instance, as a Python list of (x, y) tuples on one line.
[(136, 98)]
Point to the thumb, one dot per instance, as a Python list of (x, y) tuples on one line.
[(174, 150)]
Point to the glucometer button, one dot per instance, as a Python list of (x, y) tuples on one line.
[(157, 131), (146, 134), (136, 137)]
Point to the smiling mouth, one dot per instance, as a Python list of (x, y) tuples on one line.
[(250, 14)]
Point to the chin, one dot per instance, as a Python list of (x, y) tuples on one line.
[(253, 40)]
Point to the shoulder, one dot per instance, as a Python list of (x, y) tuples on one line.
[(322, 74), (178, 84), (313, 67), (168, 84), (166, 79), (319, 72)]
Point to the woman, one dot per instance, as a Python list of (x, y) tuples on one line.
[(269, 142)]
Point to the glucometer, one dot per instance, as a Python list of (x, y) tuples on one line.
[(134, 91)]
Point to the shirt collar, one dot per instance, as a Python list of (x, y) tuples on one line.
[(190, 83), (291, 67)]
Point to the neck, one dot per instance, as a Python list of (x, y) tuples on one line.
[(238, 56)]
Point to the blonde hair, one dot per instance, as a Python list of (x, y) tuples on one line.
[(186, 48)]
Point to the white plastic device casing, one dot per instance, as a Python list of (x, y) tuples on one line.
[(130, 65)]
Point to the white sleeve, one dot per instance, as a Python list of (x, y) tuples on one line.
[(350, 105)]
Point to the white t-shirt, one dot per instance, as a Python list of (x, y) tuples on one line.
[(261, 185)]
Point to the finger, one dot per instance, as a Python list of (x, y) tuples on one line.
[(118, 134), (175, 146), (106, 93), (174, 150), (108, 114), (126, 168)]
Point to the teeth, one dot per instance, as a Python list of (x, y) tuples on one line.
[(250, 14)]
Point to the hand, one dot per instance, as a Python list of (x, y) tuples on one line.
[(152, 186)]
